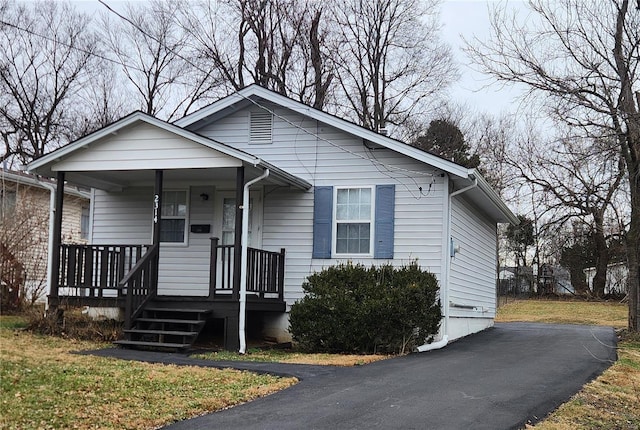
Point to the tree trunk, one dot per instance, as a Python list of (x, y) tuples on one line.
[(633, 236), (630, 144), (602, 257)]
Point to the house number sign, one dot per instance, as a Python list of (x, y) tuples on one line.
[(156, 200)]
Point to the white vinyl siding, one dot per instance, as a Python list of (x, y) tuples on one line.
[(144, 147), (126, 218), (309, 152), (473, 269), (123, 218), (185, 271)]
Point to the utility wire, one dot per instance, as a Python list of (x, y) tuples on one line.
[(369, 159), (373, 161), (77, 48)]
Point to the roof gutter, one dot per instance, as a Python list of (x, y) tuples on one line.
[(494, 197), (244, 257), (448, 242)]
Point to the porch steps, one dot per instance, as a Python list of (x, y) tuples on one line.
[(166, 345), (165, 328)]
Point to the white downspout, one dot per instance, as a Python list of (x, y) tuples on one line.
[(243, 261), (52, 211), (445, 296)]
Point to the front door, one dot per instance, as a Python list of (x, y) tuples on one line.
[(226, 208)]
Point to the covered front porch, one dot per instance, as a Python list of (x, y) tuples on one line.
[(173, 228)]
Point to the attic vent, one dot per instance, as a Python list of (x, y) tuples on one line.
[(260, 126)]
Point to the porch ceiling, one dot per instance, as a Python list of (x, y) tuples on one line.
[(117, 180)]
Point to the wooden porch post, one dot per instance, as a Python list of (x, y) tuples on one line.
[(157, 207), (157, 222), (237, 242), (57, 237)]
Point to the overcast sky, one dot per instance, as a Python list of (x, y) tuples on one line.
[(460, 18), (469, 19)]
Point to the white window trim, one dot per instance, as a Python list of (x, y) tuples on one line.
[(185, 242), (334, 221)]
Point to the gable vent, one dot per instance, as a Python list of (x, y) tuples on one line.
[(260, 127)]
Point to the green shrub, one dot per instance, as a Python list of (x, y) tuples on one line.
[(353, 309)]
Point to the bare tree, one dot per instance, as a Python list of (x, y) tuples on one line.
[(155, 59), (278, 44), (575, 179), (390, 60), (583, 59), (45, 59), (101, 103)]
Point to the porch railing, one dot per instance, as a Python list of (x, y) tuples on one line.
[(140, 285), (96, 270), (265, 271)]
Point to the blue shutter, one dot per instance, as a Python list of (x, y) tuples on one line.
[(385, 208), (322, 221)]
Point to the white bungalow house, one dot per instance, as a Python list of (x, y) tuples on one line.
[(313, 190)]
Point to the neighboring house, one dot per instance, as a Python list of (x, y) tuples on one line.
[(25, 213), (515, 281), (616, 283), (322, 191), (554, 280)]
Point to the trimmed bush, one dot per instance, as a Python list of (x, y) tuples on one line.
[(353, 309)]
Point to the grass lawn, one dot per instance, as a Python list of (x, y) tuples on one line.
[(612, 401), (565, 312), (44, 386)]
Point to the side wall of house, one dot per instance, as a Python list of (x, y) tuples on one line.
[(472, 279), (325, 156)]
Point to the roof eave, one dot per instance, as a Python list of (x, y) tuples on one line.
[(493, 196), (292, 180), (349, 127)]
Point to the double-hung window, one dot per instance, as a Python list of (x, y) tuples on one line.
[(353, 221), (353, 218), (173, 227)]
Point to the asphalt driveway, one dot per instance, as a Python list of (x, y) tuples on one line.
[(503, 378)]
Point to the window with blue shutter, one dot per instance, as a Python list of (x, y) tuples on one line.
[(322, 221), (353, 220), (384, 221), (358, 222)]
